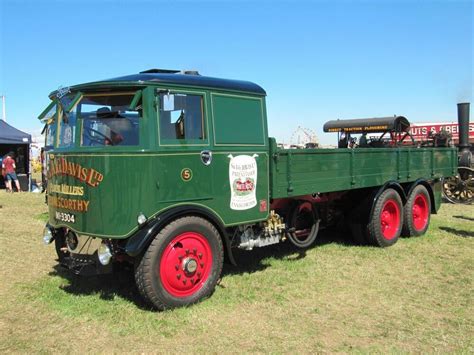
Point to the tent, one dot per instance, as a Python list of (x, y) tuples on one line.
[(18, 142)]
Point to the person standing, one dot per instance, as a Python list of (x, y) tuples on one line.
[(8, 172)]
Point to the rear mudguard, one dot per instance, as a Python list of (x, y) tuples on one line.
[(139, 241), (405, 193), (430, 186), (392, 185)]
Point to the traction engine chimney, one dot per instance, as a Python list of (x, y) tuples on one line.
[(463, 121)]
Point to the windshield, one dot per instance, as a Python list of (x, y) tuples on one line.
[(108, 119), (67, 128), (66, 99), (50, 134), (65, 102), (49, 118)]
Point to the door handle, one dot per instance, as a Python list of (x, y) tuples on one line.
[(206, 157)]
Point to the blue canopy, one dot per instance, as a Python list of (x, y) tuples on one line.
[(11, 135)]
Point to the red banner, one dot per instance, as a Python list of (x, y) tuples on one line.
[(419, 131)]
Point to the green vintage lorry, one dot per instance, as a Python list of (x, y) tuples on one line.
[(170, 171)]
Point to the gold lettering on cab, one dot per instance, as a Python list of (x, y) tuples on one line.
[(63, 167), (68, 204), (66, 189)]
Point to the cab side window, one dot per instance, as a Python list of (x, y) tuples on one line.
[(181, 117), (67, 129)]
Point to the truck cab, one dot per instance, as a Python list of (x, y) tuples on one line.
[(130, 154), (145, 143)]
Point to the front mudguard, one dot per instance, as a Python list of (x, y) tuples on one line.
[(140, 240)]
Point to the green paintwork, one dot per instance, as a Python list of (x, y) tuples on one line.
[(238, 121), (147, 178), (151, 183), (301, 172)]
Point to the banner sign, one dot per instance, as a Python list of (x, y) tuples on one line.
[(420, 131)]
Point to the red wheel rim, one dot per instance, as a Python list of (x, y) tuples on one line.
[(390, 219), (186, 264), (420, 212)]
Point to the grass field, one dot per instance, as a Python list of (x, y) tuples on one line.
[(416, 296)]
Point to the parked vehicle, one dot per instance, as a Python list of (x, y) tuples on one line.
[(172, 171), (460, 188)]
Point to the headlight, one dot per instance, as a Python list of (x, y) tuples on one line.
[(104, 253), (71, 241), (141, 219), (47, 235)]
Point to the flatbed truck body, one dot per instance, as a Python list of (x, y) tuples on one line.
[(296, 172)]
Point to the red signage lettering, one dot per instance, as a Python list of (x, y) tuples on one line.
[(420, 131)]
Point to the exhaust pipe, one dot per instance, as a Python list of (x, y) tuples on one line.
[(464, 146)]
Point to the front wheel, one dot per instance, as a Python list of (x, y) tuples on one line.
[(182, 264), (61, 247)]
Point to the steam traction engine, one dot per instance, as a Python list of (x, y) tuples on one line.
[(460, 188)]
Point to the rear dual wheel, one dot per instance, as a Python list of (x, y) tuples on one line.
[(390, 219), (417, 212), (182, 264), (386, 221)]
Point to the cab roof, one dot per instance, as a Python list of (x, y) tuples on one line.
[(175, 77)]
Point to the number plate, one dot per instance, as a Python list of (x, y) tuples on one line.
[(65, 217)]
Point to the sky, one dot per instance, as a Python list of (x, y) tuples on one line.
[(317, 60)]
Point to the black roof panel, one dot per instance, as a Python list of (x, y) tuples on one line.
[(185, 80)]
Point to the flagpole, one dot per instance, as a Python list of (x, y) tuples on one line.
[(4, 111)]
